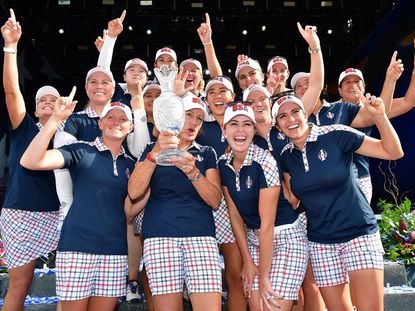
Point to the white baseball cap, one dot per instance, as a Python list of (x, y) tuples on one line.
[(277, 60), (238, 108), (46, 90), (135, 61), (191, 101), (349, 72), (248, 63), (167, 51), (191, 61), (254, 88), (104, 70), (117, 105), (219, 80), (283, 100), (150, 86), (297, 77)]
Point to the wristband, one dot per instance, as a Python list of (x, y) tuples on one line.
[(150, 157), (196, 177), (208, 43), (9, 50), (313, 51)]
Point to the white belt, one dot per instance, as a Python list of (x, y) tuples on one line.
[(280, 228)]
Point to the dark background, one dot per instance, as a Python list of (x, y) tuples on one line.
[(365, 33)]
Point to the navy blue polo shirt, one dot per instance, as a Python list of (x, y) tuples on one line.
[(341, 112), (150, 127), (96, 221), (26, 189), (83, 125), (321, 177), (211, 135), (285, 212), (335, 113), (258, 171), (121, 95), (174, 208)]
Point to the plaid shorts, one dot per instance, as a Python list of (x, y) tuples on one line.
[(302, 221), (172, 262), (224, 233), (81, 275), (28, 235), (289, 261), (331, 262), (365, 184), (138, 222)]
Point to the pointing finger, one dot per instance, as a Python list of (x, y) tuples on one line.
[(72, 94), (300, 28), (12, 16), (123, 15), (358, 92), (207, 18), (394, 56)]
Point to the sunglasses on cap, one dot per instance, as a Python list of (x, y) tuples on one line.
[(151, 82)]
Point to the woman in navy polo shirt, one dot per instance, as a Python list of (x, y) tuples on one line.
[(178, 228), (274, 249), (219, 92), (343, 236), (92, 253), (29, 216)]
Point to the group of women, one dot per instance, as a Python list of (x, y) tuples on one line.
[(252, 165)]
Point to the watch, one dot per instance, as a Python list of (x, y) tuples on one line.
[(196, 177), (313, 51)]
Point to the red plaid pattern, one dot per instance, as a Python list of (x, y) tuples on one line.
[(331, 262), (289, 262), (138, 222), (365, 184), (81, 275), (224, 233), (28, 235), (172, 262)]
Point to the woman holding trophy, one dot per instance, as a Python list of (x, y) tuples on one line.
[(178, 228)]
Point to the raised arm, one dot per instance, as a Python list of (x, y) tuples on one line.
[(316, 82), (205, 35), (36, 156), (140, 137), (404, 104), (115, 27), (11, 32), (393, 73), (388, 147)]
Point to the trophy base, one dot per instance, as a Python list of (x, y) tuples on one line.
[(164, 158)]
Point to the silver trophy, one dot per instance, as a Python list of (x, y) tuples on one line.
[(168, 111)]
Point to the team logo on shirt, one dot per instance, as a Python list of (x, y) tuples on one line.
[(281, 136), (249, 182), (199, 158), (322, 155), (330, 115), (127, 172)]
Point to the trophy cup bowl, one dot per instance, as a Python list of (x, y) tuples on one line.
[(168, 112)]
